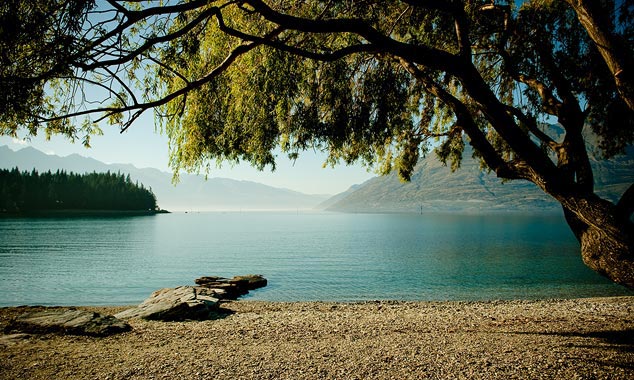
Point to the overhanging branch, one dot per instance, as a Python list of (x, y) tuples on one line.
[(465, 122), (420, 54), (214, 73), (617, 55), (151, 42), (531, 124), (279, 45)]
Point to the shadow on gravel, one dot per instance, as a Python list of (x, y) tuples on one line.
[(221, 313), (621, 340)]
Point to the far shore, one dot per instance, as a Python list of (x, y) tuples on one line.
[(591, 338), (79, 213)]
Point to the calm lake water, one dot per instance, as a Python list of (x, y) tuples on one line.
[(305, 256)]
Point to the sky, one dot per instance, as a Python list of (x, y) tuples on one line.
[(143, 147)]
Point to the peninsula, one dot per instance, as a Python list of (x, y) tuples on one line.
[(23, 192)]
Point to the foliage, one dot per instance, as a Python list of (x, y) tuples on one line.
[(370, 81), (24, 191), (38, 39)]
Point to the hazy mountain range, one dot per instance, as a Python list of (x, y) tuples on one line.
[(434, 188), (191, 193)]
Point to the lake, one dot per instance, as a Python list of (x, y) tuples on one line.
[(305, 256)]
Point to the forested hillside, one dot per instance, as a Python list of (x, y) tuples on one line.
[(33, 191)]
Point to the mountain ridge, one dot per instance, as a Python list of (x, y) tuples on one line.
[(191, 193), (434, 188)]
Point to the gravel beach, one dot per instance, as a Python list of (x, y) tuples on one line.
[(553, 339)]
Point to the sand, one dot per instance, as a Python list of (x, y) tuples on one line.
[(554, 339)]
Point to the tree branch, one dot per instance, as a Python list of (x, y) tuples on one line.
[(461, 23), (325, 56), (550, 103), (569, 112), (592, 15), (151, 42), (428, 56), (222, 67), (572, 153), (122, 83), (495, 112), (464, 119), (448, 6), (531, 124), (133, 17), (119, 8)]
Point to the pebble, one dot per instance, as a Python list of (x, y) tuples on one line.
[(408, 340)]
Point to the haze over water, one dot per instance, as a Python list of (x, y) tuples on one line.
[(305, 256)]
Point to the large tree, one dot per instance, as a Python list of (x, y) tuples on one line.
[(380, 82)]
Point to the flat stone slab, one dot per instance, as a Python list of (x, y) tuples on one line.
[(174, 304), (232, 287), (68, 321), (251, 281)]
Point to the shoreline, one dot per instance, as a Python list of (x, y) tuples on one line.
[(80, 213), (567, 338), (104, 307)]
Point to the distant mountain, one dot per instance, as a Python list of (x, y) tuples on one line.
[(336, 198), (434, 188), (191, 193)]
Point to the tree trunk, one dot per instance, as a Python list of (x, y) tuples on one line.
[(609, 256), (607, 245)]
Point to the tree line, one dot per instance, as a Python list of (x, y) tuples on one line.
[(23, 191)]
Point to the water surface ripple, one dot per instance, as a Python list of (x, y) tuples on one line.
[(305, 256)]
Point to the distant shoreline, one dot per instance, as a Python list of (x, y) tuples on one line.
[(469, 212), (80, 213)]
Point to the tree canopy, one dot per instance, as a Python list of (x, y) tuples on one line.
[(32, 191), (380, 82)]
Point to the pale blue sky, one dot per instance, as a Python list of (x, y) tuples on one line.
[(143, 147)]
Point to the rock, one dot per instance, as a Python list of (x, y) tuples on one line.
[(212, 292), (228, 290), (208, 279), (193, 302), (232, 287), (174, 304), (253, 281), (68, 321), (222, 287)]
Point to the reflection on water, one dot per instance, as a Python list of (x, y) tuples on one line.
[(312, 256)]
